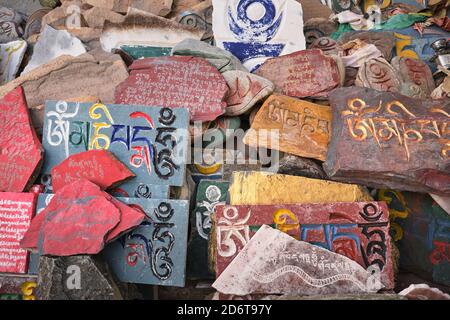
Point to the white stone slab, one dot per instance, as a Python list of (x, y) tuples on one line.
[(11, 56), (255, 30)]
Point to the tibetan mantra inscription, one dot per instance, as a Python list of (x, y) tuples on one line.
[(357, 230), (155, 252), (16, 211), (387, 140), (303, 127), (176, 82), (306, 73), (145, 139)]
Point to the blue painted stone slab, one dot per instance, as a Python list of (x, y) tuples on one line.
[(144, 138), (155, 252)]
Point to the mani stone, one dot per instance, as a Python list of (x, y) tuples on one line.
[(303, 167), (273, 262), (199, 16), (383, 40), (423, 292), (34, 22), (253, 188), (53, 43), (254, 31), (11, 56), (96, 17), (302, 128), (378, 74), (352, 229), (245, 90), (57, 279), (327, 45), (68, 77), (417, 79), (175, 82), (316, 28), (145, 29), (98, 166), (21, 151), (219, 58), (306, 73), (387, 140)]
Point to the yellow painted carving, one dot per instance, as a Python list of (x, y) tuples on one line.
[(368, 3), (280, 218), (96, 116), (396, 103), (388, 196), (27, 290), (403, 41), (94, 143), (208, 169)]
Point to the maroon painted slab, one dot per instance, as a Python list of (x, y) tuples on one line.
[(175, 82), (16, 211), (21, 151), (358, 230), (79, 219), (302, 74), (98, 166)]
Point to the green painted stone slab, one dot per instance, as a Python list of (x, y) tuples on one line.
[(138, 52)]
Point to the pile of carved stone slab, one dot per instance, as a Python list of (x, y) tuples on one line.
[(224, 149)]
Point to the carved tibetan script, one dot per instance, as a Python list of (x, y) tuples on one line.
[(387, 140), (357, 230), (145, 139), (304, 128), (155, 252)]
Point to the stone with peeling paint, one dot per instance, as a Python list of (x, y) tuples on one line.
[(163, 82), (245, 90), (378, 74), (303, 167), (417, 79), (11, 56), (220, 58), (53, 43), (274, 263), (198, 16), (306, 73), (98, 166), (21, 150), (303, 128), (266, 188), (254, 33)]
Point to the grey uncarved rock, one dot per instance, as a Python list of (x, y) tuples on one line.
[(298, 166), (57, 280)]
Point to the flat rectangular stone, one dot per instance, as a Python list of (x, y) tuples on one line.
[(137, 135), (155, 252), (352, 229), (252, 188), (387, 140), (16, 211), (303, 127), (11, 55)]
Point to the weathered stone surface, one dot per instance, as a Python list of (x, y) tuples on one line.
[(387, 140), (34, 22), (384, 40), (220, 131), (417, 79), (254, 33), (303, 167), (378, 74), (245, 90), (158, 7), (350, 76), (270, 263), (141, 28), (21, 150), (98, 166), (56, 283), (10, 21), (253, 188), (303, 128), (219, 58), (53, 43), (143, 257), (163, 82), (16, 211), (210, 194), (199, 16), (444, 202), (13, 284), (361, 296), (316, 28), (355, 52), (68, 77), (120, 6), (327, 45), (96, 17), (425, 241), (302, 74), (339, 227), (11, 56), (137, 135), (423, 292)]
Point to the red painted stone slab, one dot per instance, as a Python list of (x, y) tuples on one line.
[(302, 74), (16, 211), (98, 166), (20, 149), (175, 82), (129, 219), (358, 230)]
